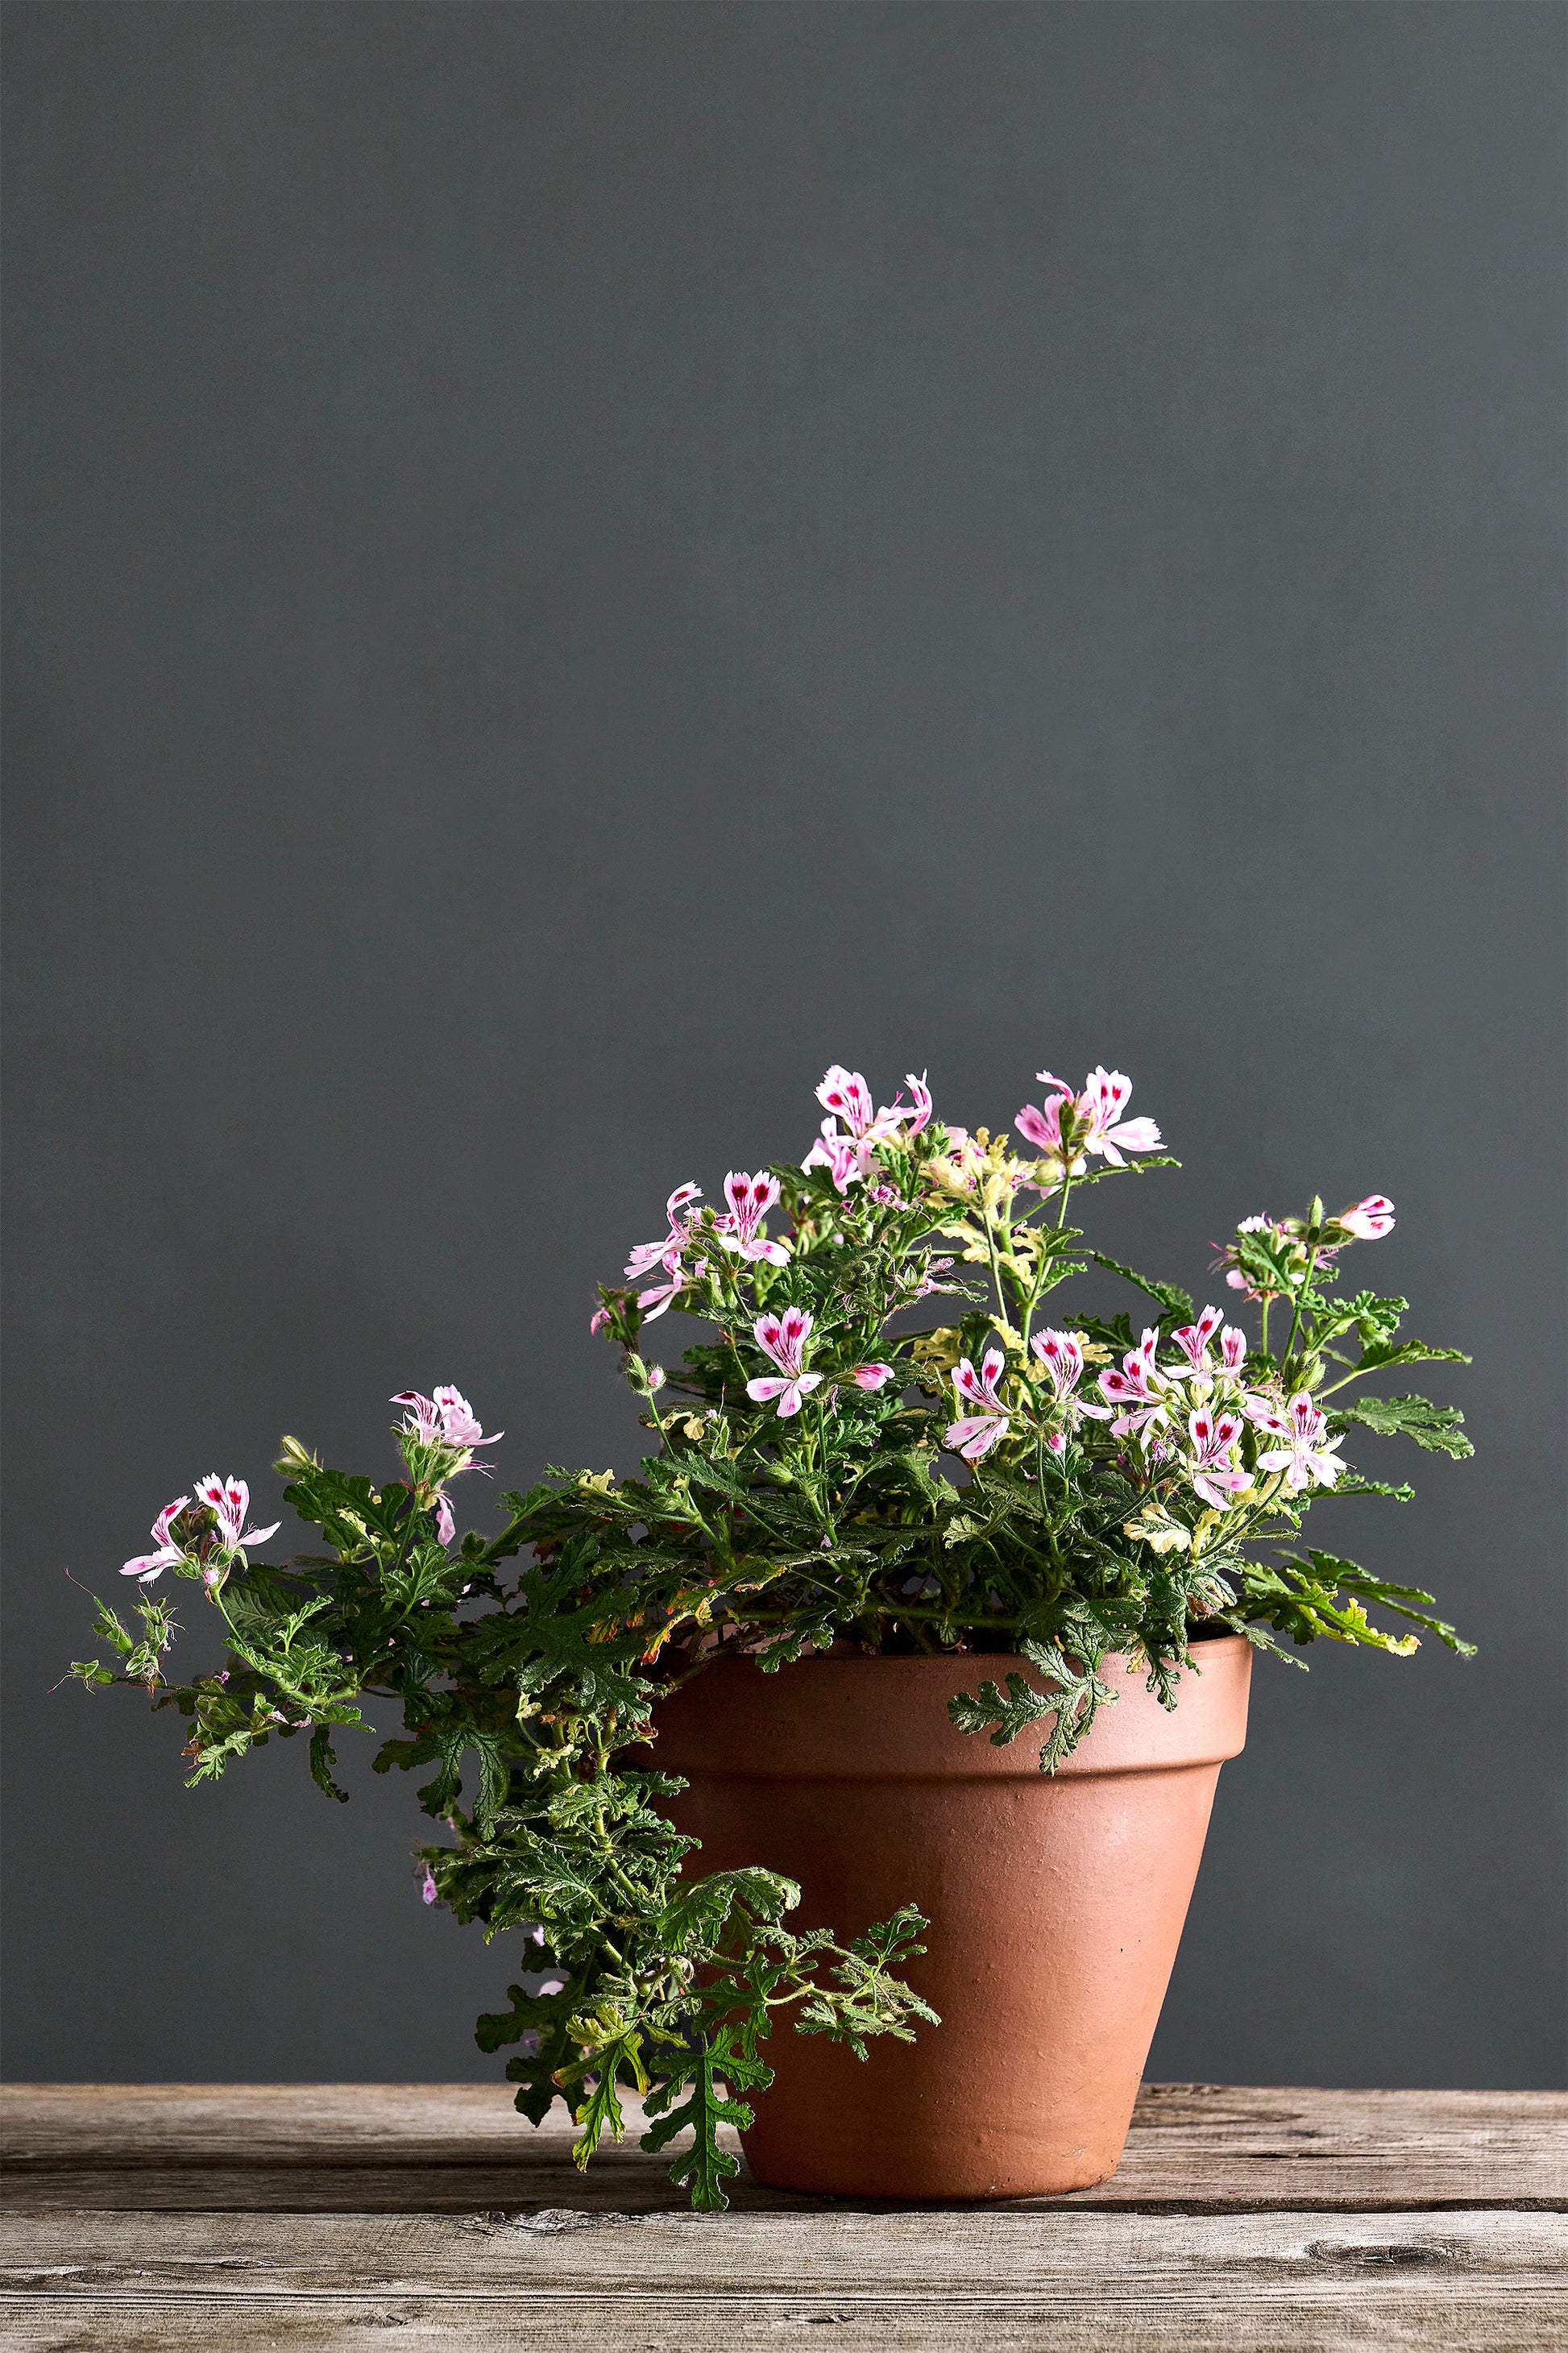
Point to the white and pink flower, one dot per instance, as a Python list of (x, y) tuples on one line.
[(1215, 1474), (1310, 1458), (1136, 1394), (1061, 1353), (872, 1376), (648, 1255), (446, 1419), (976, 1434), (1071, 1126), (166, 1553), (229, 1499), (1369, 1219), (846, 1153), (919, 1115), (750, 1198), (784, 1338), (1193, 1339)]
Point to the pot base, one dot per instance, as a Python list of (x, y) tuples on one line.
[(1056, 1903)]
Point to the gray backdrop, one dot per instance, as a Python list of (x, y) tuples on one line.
[(571, 564)]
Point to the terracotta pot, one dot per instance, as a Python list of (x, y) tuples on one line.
[(1056, 1904)]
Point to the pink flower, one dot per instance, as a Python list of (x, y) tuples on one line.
[(1193, 1339), (847, 1096), (872, 1376), (1232, 1348), (151, 1564), (445, 1526), (750, 1199), (919, 1115), (1213, 1474), (428, 1893), (230, 1499), (784, 1338), (597, 1320), (446, 1419), (1061, 1352), (1306, 1461), (645, 1255), (978, 1433), (841, 1156), (1043, 1129), (1370, 1219), (1093, 1121), (1135, 1392), (658, 1300), (1263, 1412), (846, 1153)]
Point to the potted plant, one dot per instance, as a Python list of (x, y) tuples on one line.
[(709, 1741)]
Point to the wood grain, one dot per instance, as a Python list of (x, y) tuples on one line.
[(389, 2148), (328, 2219), (1482, 2281)]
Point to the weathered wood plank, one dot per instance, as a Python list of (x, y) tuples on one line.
[(1104, 2282), (364, 2148)]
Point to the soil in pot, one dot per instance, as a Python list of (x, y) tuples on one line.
[(1056, 1901)]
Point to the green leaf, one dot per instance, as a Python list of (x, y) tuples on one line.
[(703, 2168), (1406, 1352), (1335, 1572), (1175, 1301), (701, 1907), (321, 1763), (1433, 1426)]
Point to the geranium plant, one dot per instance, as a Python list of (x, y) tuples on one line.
[(836, 1463)]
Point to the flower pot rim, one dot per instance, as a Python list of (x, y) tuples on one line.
[(810, 1721)]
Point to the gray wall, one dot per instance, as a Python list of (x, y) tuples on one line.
[(570, 564)]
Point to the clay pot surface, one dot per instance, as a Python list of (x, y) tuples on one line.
[(1056, 1901)]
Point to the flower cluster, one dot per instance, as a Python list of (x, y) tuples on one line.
[(208, 1536), (1071, 1127), (849, 1153)]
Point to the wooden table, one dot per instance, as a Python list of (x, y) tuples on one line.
[(300, 2216)]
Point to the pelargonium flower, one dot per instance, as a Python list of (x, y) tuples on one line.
[(658, 1300), (445, 1526), (448, 1421), (846, 1153), (750, 1199), (230, 1499), (841, 1156), (1306, 1461), (1136, 1392), (976, 1433), (1061, 1353), (646, 1255), (166, 1553), (919, 1115), (1369, 1219), (1193, 1339), (1071, 1125), (872, 1376), (784, 1338), (1215, 1475)]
